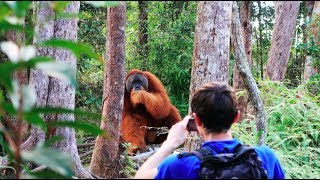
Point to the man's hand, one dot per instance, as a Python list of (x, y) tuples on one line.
[(177, 134)]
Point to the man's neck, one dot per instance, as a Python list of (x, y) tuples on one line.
[(217, 137)]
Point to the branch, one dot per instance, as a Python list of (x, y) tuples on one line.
[(86, 154), (85, 145)]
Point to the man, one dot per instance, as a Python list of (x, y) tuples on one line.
[(214, 108)]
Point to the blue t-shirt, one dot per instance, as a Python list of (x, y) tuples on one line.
[(187, 167)]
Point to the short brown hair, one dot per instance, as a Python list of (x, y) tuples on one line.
[(216, 105)]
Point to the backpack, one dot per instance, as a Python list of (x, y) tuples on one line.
[(242, 164)]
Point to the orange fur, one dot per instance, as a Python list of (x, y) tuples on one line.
[(151, 108)]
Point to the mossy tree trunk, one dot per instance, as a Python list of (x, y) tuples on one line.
[(245, 72)]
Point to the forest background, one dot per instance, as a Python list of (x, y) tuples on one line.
[(292, 106)]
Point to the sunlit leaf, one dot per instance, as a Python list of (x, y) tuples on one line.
[(28, 94), (4, 10), (59, 6), (54, 160), (60, 70), (27, 52), (90, 128), (11, 49), (16, 53), (19, 7), (102, 3), (14, 20), (4, 25)]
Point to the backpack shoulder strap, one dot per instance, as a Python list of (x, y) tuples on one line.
[(200, 153)]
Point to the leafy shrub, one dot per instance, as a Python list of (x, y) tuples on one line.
[(293, 123)]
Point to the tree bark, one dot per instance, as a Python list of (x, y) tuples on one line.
[(105, 158), (62, 94), (286, 13), (260, 40), (51, 91), (44, 30), (243, 67), (210, 60), (143, 32), (238, 84), (309, 69)]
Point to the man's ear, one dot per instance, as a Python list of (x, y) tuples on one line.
[(236, 118), (196, 118)]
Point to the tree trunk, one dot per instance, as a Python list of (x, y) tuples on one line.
[(210, 60), (237, 79), (105, 158), (243, 67), (309, 69), (44, 30), (62, 94), (51, 91), (143, 32), (286, 13)]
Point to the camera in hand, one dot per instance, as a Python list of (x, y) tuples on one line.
[(192, 124)]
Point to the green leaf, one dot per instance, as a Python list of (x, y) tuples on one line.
[(6, 70), (19, 7), (57, 161), (102, 3), (8, 108), (35, 119), (60, 70), (59, 6), (52, 140), (76, 47), (90, 128), (47, 174), (4, 10)]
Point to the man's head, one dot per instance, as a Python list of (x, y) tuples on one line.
[(216, 106)]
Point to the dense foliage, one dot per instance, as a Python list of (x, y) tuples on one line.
[(293, 123)]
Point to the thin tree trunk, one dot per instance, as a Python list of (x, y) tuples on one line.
[(237, 79), (260, 40), (243, 67), (143, 32), (286, 13), (105, 159), (210, 60), (309, 69)]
